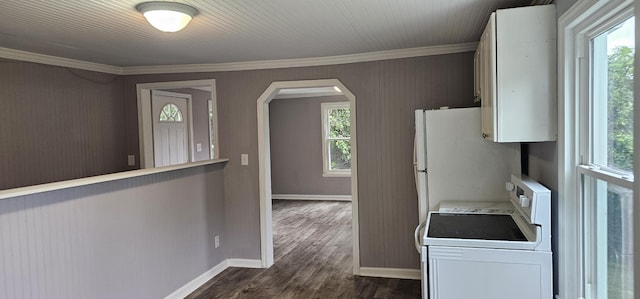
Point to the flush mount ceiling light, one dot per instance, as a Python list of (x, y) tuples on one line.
[(167, 16)]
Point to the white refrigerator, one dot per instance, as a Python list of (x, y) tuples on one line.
[(452, 162)]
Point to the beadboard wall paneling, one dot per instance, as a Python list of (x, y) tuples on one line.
[(142, 237), (114, 33), (59, 124), (295, 130), (387, 92)]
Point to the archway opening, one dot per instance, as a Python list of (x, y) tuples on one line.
[(264, 161)]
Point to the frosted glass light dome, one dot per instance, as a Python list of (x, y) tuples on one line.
[(167, 16)]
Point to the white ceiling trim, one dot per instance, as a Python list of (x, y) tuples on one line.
[(236, 66), (59, 61), (302, 62)]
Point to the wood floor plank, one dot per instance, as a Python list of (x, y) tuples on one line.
[(313, 259)]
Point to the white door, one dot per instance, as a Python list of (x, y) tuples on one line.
[(170, 129)]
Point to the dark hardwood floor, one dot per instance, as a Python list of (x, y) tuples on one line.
[(313, 259)]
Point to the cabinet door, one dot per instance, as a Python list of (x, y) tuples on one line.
[(526, 106), (488, 80), (517, 88)]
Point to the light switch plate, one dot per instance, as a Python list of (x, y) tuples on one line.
[(198, 147), (244, 159), (131, 160)]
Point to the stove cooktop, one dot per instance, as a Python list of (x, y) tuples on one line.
[(474, 226)]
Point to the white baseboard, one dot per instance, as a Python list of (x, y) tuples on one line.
[(390, 272), (311, 197), (193, 285), (244, 263)]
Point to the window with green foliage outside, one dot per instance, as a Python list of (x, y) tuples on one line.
[(607, 169), (336, 138)]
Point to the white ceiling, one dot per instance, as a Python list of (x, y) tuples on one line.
[(112, 32)]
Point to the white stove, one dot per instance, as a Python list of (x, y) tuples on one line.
[(483, 250)]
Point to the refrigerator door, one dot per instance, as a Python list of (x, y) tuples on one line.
[(463, 165), (420, 166)]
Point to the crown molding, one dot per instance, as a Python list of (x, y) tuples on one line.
[(301, 62), (59, 61), (236, 66)]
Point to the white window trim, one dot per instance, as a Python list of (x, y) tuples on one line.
[(324, 108), (572, 29), (636, 153), (607, 176)]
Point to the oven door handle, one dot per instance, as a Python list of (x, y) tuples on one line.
[(416, 235)]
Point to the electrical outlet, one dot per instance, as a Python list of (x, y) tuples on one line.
[(131, 160), (199, 147), (217, 241), (244, 159)]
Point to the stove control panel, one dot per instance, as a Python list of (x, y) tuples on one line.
[(531, 199)]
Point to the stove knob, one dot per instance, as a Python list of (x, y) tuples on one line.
[(509, 186), (524, 201)]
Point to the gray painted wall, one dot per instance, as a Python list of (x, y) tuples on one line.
[(296, 148), (543, 163), (143, 237), (59, 124), (200, 109), (387, 93)]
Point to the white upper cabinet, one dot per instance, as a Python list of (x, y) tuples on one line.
[(515, 75)]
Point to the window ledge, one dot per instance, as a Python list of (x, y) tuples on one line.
[(336, 175)]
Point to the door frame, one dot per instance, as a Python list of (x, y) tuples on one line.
[(264, 166), (145, 127)]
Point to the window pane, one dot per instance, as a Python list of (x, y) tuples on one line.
[(339, 123), (170, 113), (612, 106), (339, 154), (211, 133), (610, 230)]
